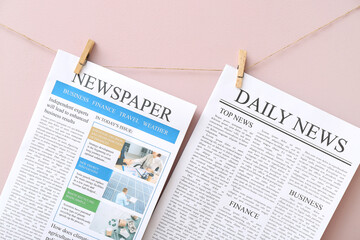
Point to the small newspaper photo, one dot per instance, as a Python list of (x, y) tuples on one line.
[(95, 157)]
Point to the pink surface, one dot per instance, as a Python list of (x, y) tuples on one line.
[(322, 70)]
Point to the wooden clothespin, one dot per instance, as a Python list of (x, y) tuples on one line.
[(85, 54), (240, 68)]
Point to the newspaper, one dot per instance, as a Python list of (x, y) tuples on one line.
[(260, 164), (75, 175)]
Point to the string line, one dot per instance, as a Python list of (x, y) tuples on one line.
[(28, 38), (198, 69)]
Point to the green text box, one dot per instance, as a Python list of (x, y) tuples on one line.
[(81, 200)]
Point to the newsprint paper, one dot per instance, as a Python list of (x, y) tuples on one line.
[(260, 164), (94, 159)]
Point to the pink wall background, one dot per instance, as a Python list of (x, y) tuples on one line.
[(322, 69)]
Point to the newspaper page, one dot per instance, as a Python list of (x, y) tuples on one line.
[(260, 164), (95, 157)]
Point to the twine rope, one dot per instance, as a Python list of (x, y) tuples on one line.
[(196, 69)]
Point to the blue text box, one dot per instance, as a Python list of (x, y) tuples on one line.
[(94, 169)]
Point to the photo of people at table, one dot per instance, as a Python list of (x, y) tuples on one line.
[(141, 162)]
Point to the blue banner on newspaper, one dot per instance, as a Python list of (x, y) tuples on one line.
[(118, 113)]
